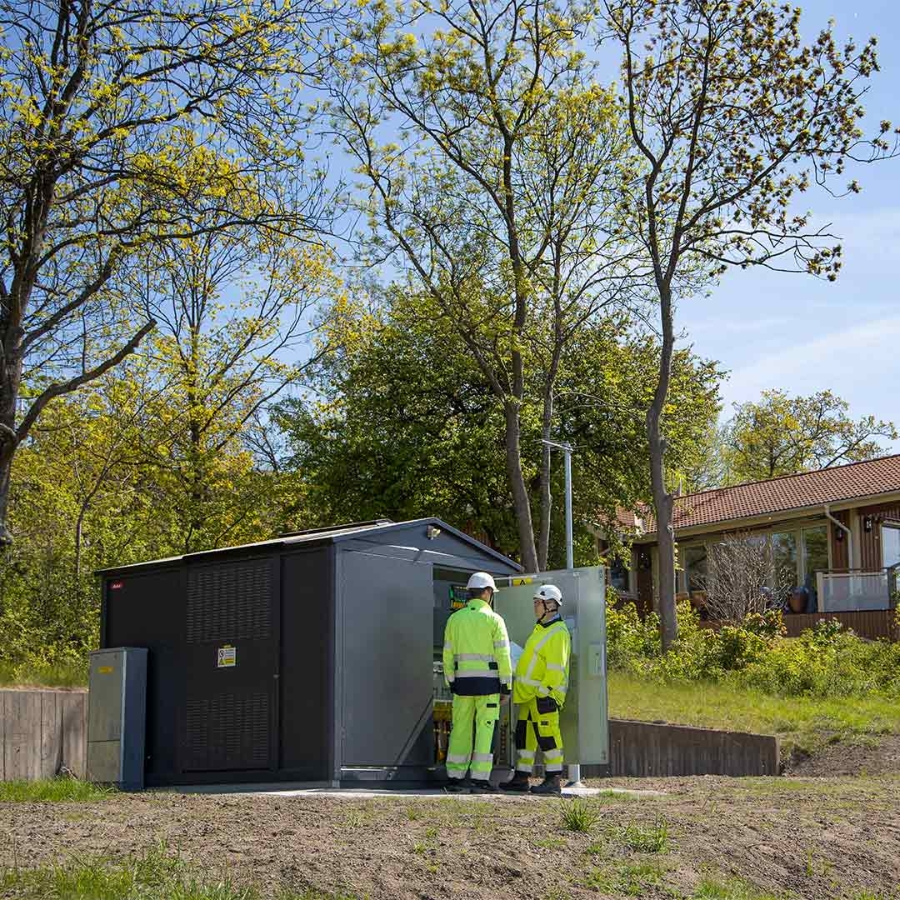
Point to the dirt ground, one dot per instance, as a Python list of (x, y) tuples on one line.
[(876, 756), (807, 838)]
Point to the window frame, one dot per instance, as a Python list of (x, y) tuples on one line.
[(797, 529)]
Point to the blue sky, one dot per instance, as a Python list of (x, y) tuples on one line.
[(794, 332)]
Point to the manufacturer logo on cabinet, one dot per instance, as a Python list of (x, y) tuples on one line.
[(227, 657)]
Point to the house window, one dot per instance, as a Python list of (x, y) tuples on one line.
[(890, 544), (784, 558), (618, 575), (695, 567), (815, 555)]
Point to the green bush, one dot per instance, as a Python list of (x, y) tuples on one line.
[(825, 661), (628, 636)]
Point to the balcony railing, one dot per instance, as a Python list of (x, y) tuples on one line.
[(855, 590)]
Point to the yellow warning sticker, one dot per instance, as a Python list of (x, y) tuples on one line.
[(227, 657), (105, 670), (518, 582)]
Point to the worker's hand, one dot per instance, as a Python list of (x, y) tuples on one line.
[(504, 699)]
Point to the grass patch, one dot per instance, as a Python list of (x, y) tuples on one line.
[(732, 889), (632, 880), (804, 723), (58, 675), (646, 839), (551, 844), (579, 816), (156, 875), (54, 790)]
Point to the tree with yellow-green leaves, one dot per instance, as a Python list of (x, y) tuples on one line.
[(488, 155), (154, 459), (238, 322), (124, 125), (783, 435), (731, 119)]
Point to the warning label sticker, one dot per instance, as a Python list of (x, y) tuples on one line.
[(518, 582), (227, 657)]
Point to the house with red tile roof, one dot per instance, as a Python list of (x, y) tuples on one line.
[(837, 528)]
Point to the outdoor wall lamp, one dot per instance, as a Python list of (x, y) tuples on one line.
[(867, 523), (432, 531)]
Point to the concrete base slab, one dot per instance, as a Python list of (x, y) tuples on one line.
[(320, 790), (354, 794)]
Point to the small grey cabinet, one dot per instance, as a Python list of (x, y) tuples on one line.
[(117, 703)]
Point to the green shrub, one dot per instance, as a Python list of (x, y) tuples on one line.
[(628, 636), (736, 647), (825, 661)]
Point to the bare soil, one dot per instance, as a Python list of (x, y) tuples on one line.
[(815, 838), (860, 756)]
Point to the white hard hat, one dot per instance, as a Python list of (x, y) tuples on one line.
[(549, 592), (478, 581)]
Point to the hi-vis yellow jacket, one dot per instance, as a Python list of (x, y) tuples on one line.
[(543, 667), (476, 651)]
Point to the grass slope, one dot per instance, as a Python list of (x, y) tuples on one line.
[(59, 675), (804, 723)]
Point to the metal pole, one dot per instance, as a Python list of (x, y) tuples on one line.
[(570, 548), (574, 770)]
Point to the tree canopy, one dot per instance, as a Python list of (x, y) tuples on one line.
[(403, 424), (123, 125), (731, 117), (782, 435)]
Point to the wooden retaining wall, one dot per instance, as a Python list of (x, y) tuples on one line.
[(657, 750), (42, 733), (647, 749)]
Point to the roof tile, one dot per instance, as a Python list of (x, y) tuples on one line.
[(789, 492)]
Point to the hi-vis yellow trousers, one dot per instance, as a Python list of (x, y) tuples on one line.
[(472, 716), (538, 728)]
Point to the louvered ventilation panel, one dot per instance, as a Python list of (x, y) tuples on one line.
[(230, 602), (230, 731)]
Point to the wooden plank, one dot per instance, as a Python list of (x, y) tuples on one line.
[(51, 734), (74, 732), (23, 736)]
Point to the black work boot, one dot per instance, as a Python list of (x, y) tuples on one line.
[(458, 785), (482, 786), (519, 782), (550, 785)]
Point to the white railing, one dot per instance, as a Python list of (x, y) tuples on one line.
[(850, 591)]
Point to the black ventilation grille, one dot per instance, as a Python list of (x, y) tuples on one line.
[(230, 601), (230, 731)]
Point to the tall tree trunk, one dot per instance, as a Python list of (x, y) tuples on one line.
[(10, 379), (662, 499), (79, 537), (548, 411), (519, 489), (196, 479), (7, 451)]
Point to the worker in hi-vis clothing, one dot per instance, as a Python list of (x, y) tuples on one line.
[(478, 670), (539, 687)]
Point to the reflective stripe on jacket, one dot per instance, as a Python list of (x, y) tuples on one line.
[(543, 667), (476, 651)]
